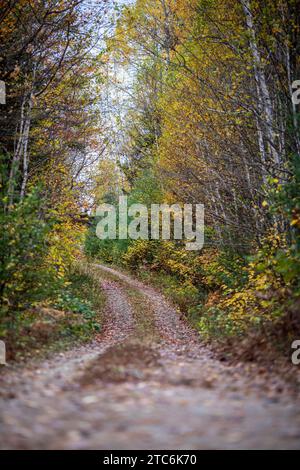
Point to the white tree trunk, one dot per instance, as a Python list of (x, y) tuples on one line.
[(263, 97), (21, 149)]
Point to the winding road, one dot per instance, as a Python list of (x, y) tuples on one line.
[(146, 382)]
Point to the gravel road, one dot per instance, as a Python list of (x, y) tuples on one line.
[(145, 382)]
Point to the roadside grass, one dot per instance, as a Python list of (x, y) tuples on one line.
[(72, 317)]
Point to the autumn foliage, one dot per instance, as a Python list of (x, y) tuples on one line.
[(166, 102), (211, 120)]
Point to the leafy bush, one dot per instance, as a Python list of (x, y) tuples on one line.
[(109, 251), (270, 290), (74, 315), (184, 295), (140, 253), (24, 275)]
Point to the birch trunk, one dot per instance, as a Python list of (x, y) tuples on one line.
[(21, 149), (25, 149), (263, 92), (294, 110)]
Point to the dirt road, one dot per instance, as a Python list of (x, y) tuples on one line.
[(145, 383)]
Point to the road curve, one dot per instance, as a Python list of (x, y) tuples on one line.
[(146, 382)]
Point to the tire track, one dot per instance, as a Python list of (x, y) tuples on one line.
[(125, 392)]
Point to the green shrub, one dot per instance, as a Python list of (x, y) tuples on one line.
[(24, 277)]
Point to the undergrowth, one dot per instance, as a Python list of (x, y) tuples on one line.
[(70, 317)]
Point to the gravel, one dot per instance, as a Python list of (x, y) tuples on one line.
[(122, 392)]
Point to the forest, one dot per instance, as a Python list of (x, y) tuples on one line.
[(164, 102)]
